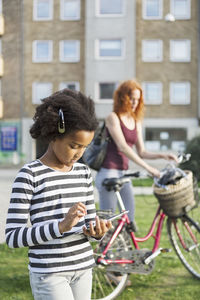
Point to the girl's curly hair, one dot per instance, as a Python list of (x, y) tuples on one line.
[(122, 98), (78, 110)]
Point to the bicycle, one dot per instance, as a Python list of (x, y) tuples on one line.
[(118, 254)]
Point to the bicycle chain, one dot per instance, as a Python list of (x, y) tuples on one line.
[(138, 267)]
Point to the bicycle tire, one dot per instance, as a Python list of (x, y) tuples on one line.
[(189, 254), (105, 286)]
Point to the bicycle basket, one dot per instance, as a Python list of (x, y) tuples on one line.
[(177, 198)]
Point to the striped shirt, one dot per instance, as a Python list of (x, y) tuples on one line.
[(44, 196)]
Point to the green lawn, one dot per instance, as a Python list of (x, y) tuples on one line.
[(168, 281)]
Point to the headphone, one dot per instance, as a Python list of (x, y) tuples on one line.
[(61, 123)]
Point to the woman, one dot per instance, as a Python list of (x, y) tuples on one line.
[(56, 192), (124, 127)]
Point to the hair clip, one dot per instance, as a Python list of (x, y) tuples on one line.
[(61, 123)]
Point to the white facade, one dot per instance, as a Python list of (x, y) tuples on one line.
[(107, 69)]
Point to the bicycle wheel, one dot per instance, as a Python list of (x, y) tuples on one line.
[(185, 238), (108, 285)]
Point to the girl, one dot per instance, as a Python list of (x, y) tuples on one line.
[(56, 192)]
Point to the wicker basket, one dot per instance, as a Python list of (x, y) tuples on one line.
[(176, 199)]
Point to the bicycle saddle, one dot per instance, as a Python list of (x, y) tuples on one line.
[(114, 183)]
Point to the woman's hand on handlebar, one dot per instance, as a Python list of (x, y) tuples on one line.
[(170, 156), (153, 172)]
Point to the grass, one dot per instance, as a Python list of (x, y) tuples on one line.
[(168, 281)]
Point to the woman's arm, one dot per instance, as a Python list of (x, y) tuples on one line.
[(147, 154)]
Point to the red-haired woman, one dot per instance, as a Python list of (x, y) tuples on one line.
[(124, 126)]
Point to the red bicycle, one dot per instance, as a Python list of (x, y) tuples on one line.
[(119, 254)]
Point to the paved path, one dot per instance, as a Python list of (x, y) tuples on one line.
[(6, 180)]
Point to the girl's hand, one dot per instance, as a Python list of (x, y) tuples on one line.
[(101, 227), (75, 213)]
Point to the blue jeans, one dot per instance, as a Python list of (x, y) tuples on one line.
[(74, 285), (107, 199)]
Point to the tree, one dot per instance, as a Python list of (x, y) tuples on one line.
[(193, 147)]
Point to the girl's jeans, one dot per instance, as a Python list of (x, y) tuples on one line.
[(75, 285)]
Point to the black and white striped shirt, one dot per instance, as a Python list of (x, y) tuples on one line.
[(45, 195)]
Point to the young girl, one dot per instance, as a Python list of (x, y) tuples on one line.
[(56, 193)]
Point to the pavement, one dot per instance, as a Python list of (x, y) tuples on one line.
[(6, 179), (7, 176)]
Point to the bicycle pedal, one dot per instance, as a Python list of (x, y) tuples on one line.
[(165, 250), (132, 226)]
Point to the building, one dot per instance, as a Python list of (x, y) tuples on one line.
[(167, 65), (93, 45)]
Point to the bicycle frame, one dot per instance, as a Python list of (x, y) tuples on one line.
[(158, 219)]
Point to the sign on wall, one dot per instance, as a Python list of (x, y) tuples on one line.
[(8, 138)]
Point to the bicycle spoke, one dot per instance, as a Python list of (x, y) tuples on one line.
[(185, 238)]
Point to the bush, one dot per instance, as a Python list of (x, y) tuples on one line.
[(193, 147)]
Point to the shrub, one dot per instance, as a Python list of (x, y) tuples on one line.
[(193, 147)]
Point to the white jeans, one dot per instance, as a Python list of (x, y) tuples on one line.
[(74, 285)]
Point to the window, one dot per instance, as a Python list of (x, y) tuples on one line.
[(110, 8), (110, 48), (152, 50), (70, 10), (72, 85), (180, 50), (152, 92), (70, 51), (180, 93), (42, 51), (40, 90), (105, 90), (152, 9), (157, 139), (181, 9), (42, 10)]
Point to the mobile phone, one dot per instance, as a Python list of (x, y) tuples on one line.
[(110, 219), (117, 216)]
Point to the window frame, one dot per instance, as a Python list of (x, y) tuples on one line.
[(110, 15), (188, 50), (62, 2), (144, 87), (160, 50), (35, 100), (35, 17), (34, 52), (183, 17), (188, 86), (97, 49), (76, 83), (144, 6), (97, 91), (76, 58)]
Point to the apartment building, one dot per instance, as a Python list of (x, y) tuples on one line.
[(167, 66), (93, 45), (43, 51)]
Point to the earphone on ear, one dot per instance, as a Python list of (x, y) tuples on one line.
[(61, 123)]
